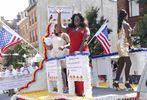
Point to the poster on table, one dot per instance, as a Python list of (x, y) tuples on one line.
[(51, 69), (74, 68), (15, 81)]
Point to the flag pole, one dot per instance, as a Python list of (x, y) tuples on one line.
[(2, 23), (30, 45), (91, 40)]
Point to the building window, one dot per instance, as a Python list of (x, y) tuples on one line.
[(30, 36), (35, 16), (34, 39), (36, 34), (32, 18), (133, 8), (30, 21)]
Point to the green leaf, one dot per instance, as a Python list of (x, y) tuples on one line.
[(94, 25)]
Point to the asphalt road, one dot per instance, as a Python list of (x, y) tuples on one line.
[(4, 96)]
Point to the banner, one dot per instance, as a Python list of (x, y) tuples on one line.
[(14, 81), (51, 69), (75, 66), (67, 13)]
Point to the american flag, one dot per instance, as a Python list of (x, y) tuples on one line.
[(8, 37), (102, 37)]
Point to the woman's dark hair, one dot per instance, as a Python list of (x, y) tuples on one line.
[(121, 17), (82, 24)]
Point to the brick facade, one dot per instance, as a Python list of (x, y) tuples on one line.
[(124, 4), (23, 25), (33, 24)]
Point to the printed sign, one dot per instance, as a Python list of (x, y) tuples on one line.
[(74, 67), (66, 12), (51, 68), (66, 16)]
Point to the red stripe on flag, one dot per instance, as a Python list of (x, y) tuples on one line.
[(14, 41), (105, 44), (104, 37), (103, 40), (11, 44), (4, 48), (18, 39), (106, 50)]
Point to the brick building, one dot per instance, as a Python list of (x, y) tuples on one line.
[(23, 25), (28, 24), (134, 9), (32, 18)]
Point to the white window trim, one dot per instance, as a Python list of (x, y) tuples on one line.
[(131, 9)]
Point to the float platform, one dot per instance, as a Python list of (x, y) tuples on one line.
[(98, 94)]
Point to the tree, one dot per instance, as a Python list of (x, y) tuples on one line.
[(140, 34), (94, 25), (12, 59), (142, 1)]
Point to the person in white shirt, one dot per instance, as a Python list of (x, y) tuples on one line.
[(27, 69), (57, 45), (35, 65), (18, 71), (10, 72)]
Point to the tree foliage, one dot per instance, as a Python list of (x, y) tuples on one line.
[(142, 1), (94, 25), (140, 36), (16, 60)]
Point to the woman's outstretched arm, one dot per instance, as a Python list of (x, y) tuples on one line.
[(59, 24)]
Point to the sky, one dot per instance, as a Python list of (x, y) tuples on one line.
[(10, 8)]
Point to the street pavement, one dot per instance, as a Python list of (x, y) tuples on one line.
[(4, 96)]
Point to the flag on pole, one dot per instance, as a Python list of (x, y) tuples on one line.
[(102, 37), (8, 37)]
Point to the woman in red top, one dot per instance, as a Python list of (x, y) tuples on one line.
[(77, 31), (79, 34)]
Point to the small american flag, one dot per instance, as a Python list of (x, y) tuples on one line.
[(102, 37), (8, 37)]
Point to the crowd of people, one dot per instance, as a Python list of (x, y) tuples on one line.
[(10, 72)]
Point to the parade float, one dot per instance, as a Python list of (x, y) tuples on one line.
[(97, 80), (40, 88)]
